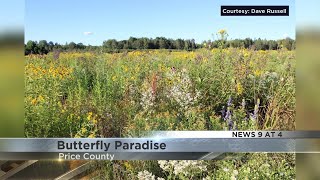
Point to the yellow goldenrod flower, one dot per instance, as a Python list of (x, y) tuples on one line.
[(257, 72), (222, 31), (83, 130), (89, 116), (127, 165), (34, 101), (91, 135), (239, 89), (40, 98), (77, 136)]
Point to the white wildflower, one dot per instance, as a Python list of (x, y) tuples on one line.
[(207, 178), (233, 177), (147, 100), (235, 172), (225, 169), (146, 175), (266, 165), (164, 165), (180, 91), (184, 167)]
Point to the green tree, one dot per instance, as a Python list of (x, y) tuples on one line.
[(50, 46), (72, 46), (193, 44), (43, 47), (163, 43), (31, 48), (187, 45), (179, 43)]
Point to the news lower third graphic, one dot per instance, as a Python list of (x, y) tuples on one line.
[(189, 145), (254, 10)]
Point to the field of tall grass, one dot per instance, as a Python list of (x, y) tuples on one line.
[(124, 94), (113, 95)]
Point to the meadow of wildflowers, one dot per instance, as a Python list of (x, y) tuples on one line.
[(112, 95), (123, 94)]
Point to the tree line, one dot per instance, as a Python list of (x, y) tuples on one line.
[(44, 47), (257, 44), (133, 43), (114, 46)]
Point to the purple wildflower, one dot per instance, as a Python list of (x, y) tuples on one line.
[(223, 112), (228, 115), (230, 125), (229, 103)]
